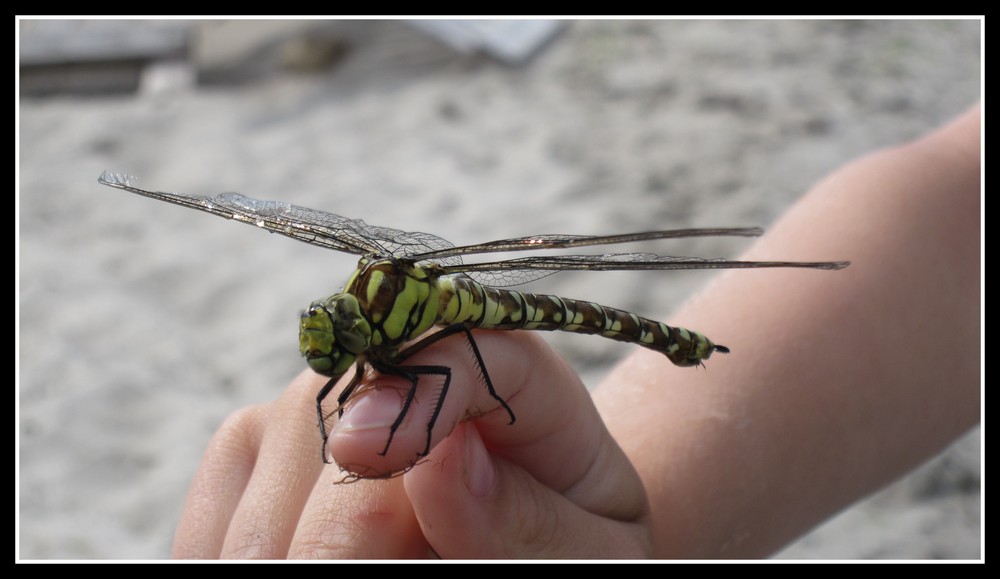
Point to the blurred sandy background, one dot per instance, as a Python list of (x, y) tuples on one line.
[(143, 325)]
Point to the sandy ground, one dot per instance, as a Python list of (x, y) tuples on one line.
[(142, 325)]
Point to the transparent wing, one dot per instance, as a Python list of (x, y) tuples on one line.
[(515, 272), (555, 241), (522, 270), (307, 225), (355, 236)]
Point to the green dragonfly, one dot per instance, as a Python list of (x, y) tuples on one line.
[(408, 282)]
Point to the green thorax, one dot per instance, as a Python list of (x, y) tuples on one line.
[(399, 299)]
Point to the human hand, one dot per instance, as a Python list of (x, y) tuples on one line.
[(552, 485)]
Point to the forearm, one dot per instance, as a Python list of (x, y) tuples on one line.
[(838, 382)]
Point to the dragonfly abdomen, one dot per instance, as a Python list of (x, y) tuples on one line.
[(465, 301)]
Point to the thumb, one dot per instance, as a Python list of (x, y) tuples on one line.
[(473, 504)]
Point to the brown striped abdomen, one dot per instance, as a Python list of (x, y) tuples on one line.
[(465, 301)]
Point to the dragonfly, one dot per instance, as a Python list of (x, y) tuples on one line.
[(407, 283)]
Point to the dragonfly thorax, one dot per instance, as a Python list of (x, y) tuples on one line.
[(398, 298)]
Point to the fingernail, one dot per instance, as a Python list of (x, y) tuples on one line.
[(480, 473), (367, 413)]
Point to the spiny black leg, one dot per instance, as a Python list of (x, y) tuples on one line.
[(486, 376), (322, 395), (359, 370), (443, 371), (451, 331), (319, 414), (412, 374), (410, 394)]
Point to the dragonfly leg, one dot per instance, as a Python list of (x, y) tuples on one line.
[(413, 373), (480, 363), (359, 371), (324, 393)]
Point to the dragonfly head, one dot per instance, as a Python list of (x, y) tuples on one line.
[(332, 334)]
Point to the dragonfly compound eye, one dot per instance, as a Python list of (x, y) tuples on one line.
[(351, 329)]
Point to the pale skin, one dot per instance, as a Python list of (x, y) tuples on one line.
[(838, 383)]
